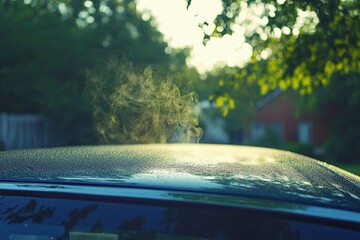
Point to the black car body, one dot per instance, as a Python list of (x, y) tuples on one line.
[(174, 191)]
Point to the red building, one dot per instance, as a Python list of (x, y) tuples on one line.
[(276, 113)]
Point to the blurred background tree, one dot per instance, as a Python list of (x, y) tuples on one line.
[(299, 43), (47, 45), (311, 47)]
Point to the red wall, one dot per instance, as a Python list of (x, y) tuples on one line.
[(281, 110)]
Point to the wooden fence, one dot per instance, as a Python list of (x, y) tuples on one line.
[(20, 131)]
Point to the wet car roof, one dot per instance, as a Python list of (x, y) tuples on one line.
[(218, 169)]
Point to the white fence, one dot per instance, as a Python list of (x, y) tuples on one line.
[(19, 131)]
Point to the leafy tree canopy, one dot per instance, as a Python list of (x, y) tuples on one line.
[(47, 45), (310, 46), (296, 44)]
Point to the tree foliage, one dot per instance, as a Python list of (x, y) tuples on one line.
[(296, 44), (310, 46), (47, 45)]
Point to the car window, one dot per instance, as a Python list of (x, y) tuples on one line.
[(42, 218)]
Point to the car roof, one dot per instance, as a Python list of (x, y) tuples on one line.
[(216, 169)]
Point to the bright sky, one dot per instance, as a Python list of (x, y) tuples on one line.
[(180, 28)]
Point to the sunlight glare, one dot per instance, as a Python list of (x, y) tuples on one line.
[(204, 10), (221, 51), (88, 4), (180, 29), (177, 24)]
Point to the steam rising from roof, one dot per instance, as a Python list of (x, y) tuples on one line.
[(133, 106)]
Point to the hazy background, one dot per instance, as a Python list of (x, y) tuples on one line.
[(281, 74)]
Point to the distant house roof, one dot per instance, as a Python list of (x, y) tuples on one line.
[(268, 98)]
